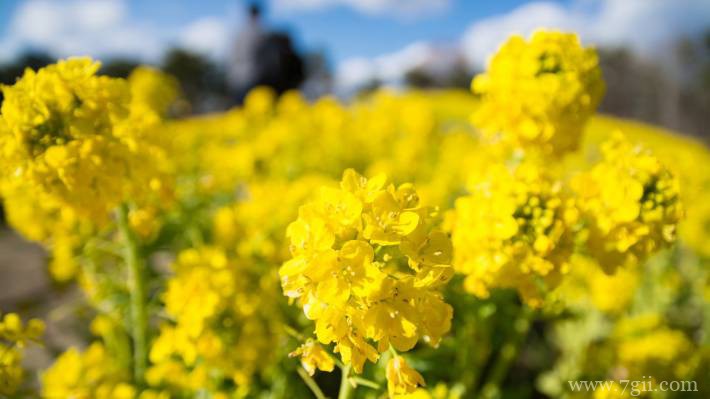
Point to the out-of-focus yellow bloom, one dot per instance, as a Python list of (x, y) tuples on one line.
[(539, 93), (612, 293), (144, 221), (401, 378), (632, 203), (588, 283), (14, 336), (12, 329), (224, 326), (71, 137), (313, 357), (646, 347), (255, 225), (11, 372), (514, 230), (92, 374), (367, 263), (152, 89)]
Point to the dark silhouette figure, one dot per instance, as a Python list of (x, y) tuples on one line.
[(278, 65), (262, 57)]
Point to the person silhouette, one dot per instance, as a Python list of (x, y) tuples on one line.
[(261, 58)]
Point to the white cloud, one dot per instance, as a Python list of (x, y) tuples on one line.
[(79, 27), (101, 28), (388, 68), (483, 38), (408, 8), (94, 15), (645, 26), (208, 35), (355, 72)]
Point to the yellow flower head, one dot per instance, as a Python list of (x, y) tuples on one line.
[(632, 203), (223, 323), (366, 267), (538, 93), (313, 357), (514, 230), (646, 346), (93, 374), (401, 378), (152, 89), (66, 135)]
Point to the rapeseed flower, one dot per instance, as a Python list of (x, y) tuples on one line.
[(367, 264), (538, 93), (632, 203), (401, 378), (516, 229)]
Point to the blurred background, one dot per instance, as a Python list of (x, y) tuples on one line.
[(655, 54)]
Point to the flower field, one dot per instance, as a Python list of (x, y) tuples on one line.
[(496, 243)]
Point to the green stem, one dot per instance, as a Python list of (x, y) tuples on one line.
[(346, 390), (312, 385), (136, 287), (365, 382), (508, 354)]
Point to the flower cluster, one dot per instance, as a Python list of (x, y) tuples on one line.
[(255, 225), (314, 357), (69, 137), (221, 333), (645, 346), (367, 264), (63, 109), (515, 229), (643, 340), (632, 203), (539, 92), (91, 374)]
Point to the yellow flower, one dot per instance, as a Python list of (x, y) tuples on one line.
[(152, 90), (632, 202), (313, 357), (645, 346), (366, 267), (11, 372), (401, 378), (93, 374), (12, 329), (612, 293), (71, 137), (145, 221), (223, 327), (538, 93), (514, 230)]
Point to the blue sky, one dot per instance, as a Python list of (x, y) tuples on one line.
[(345, 31), (363, 39), (349, 33)]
